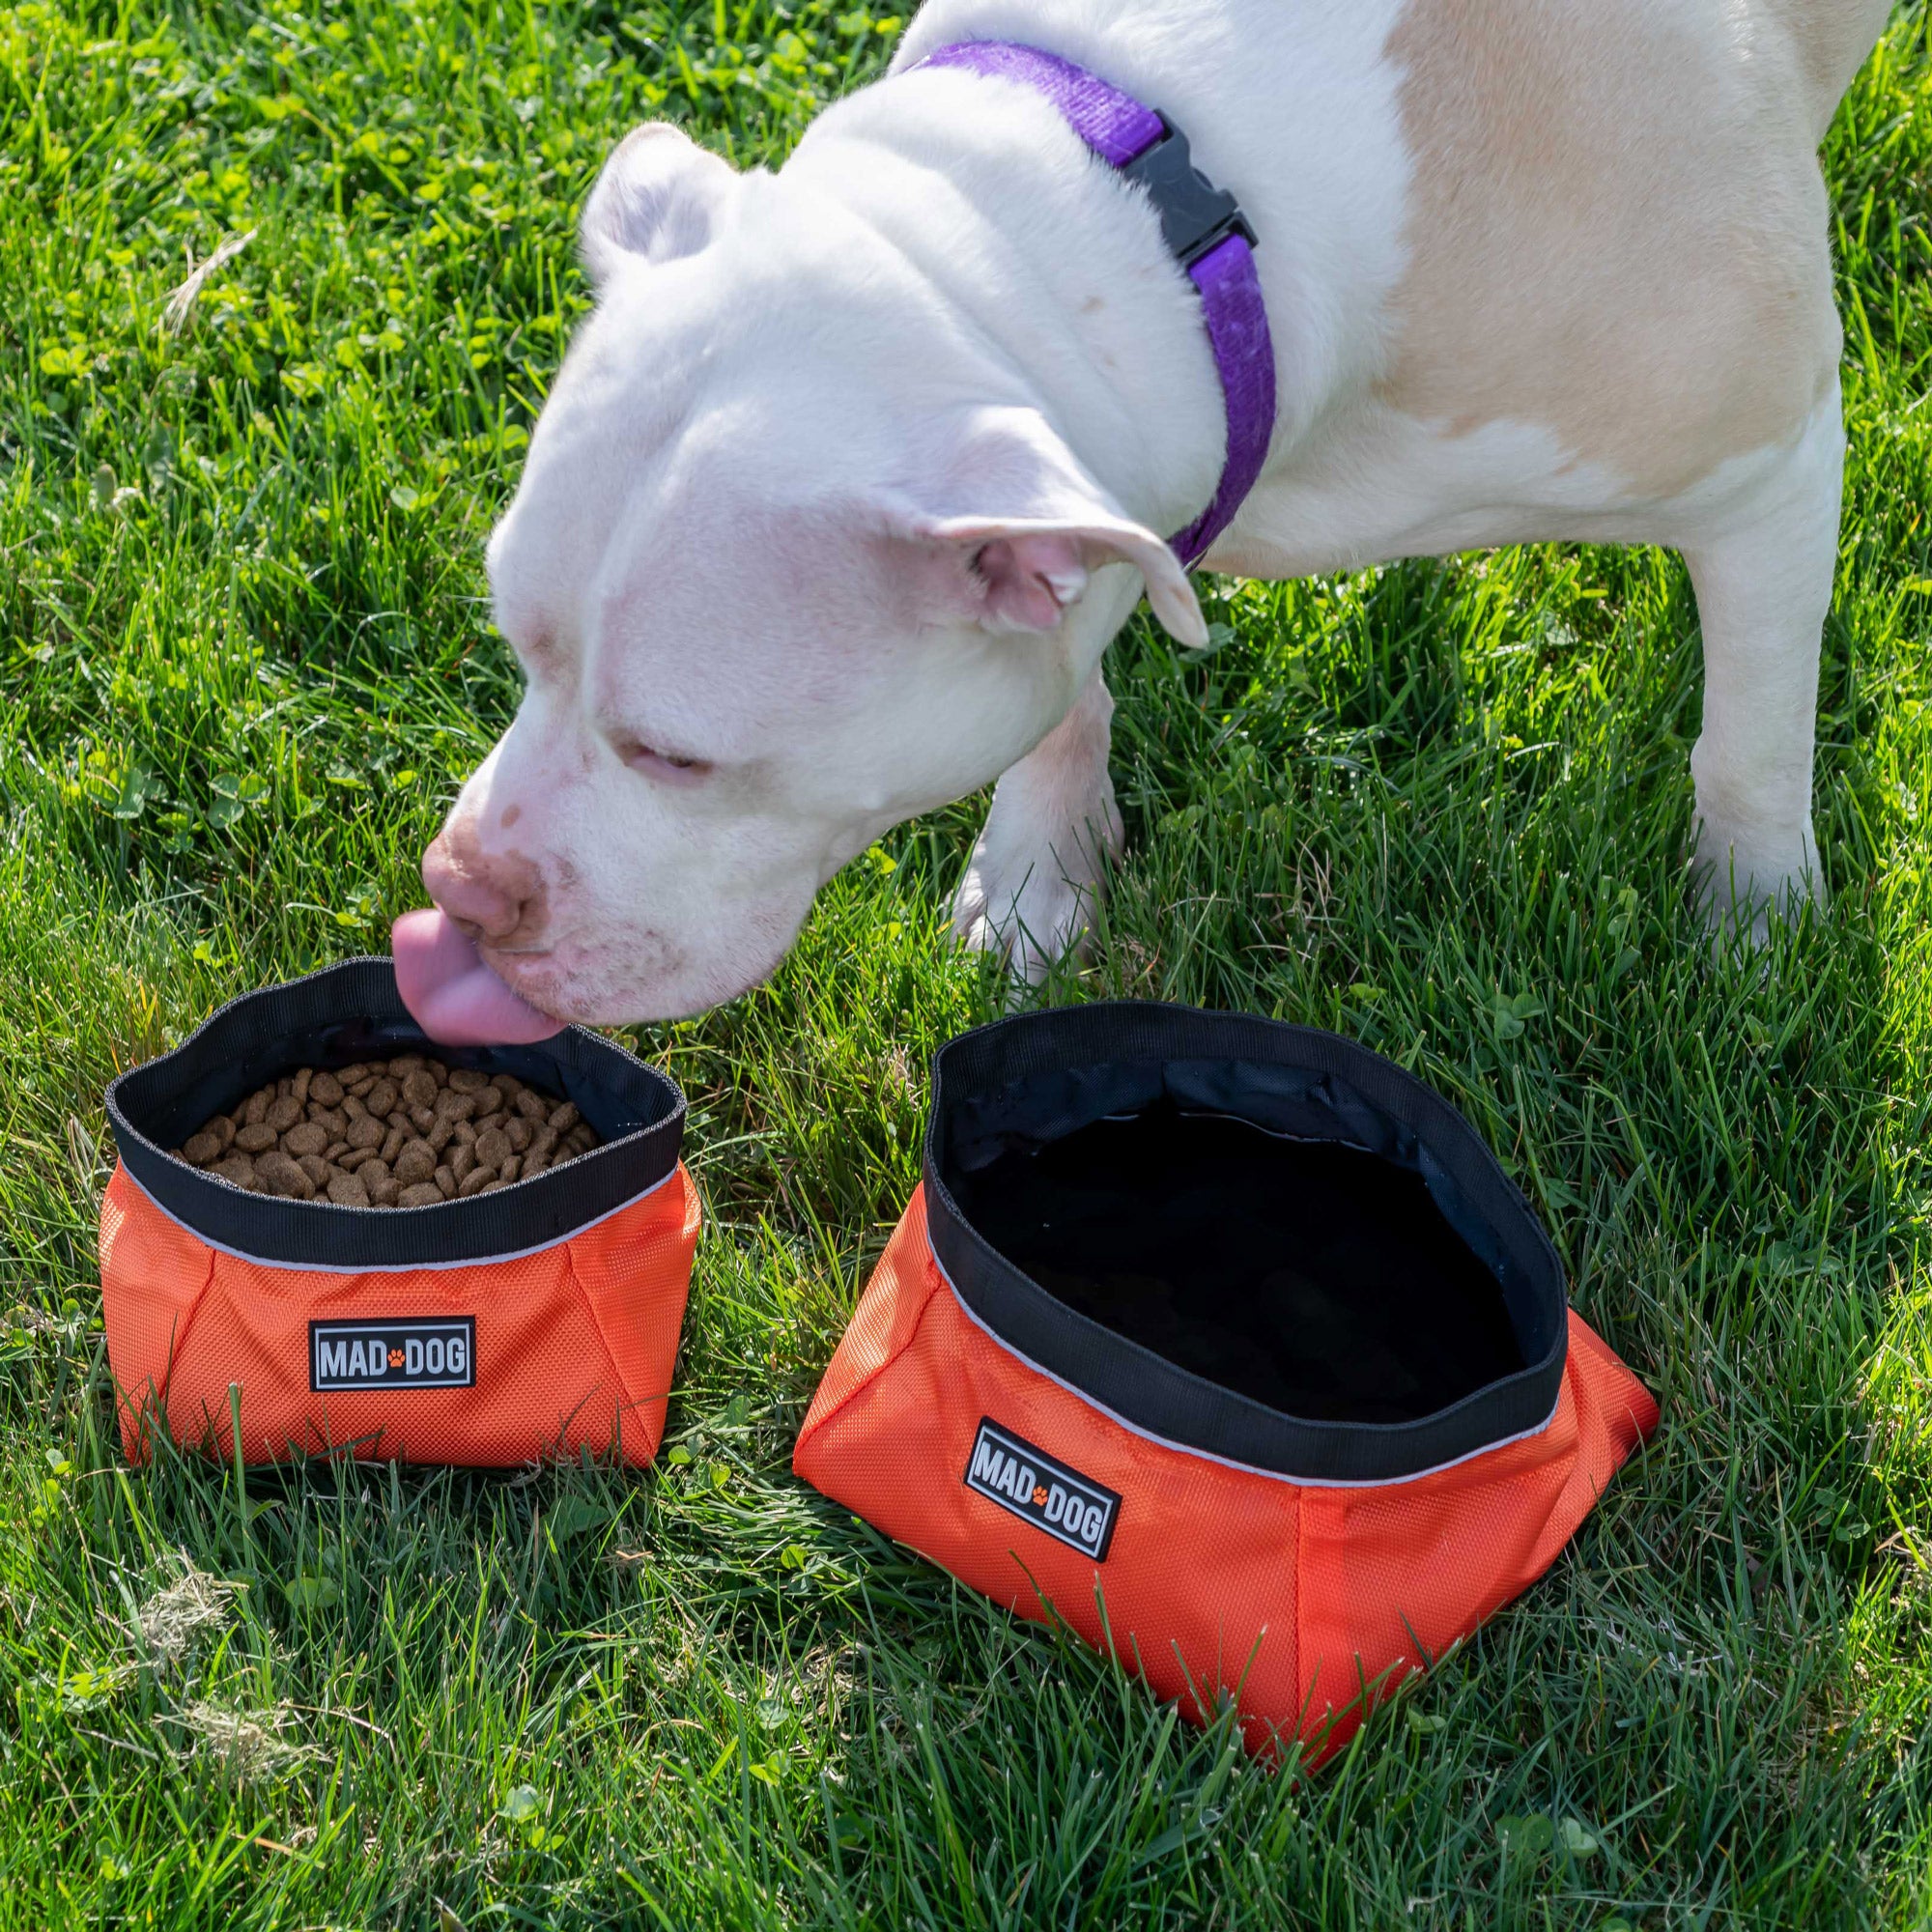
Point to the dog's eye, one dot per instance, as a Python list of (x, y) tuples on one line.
[(654, 763)]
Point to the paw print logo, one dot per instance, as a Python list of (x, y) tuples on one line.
[(395, 1358), (1039, 1497)]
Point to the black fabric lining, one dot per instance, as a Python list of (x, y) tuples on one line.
[(353, 1013), (1259, 1169)]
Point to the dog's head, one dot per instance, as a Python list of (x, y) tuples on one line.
[(778, 577)]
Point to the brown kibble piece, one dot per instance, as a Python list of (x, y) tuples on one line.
[(394, 1141), (402, 1066), (326, 1088), (517, 1131), (255, 1109), (307, 1138), (357, 1089), (509, 1169), (544, 1141), (382, 1191), (239, 1169), (437, 1071), (346, 1190), (445, 1182), (383, 1096), (335, 1150), (332, 1118), (440, 1135), (416, 1162), (418, 1089), (422, 1119), (461, 1160), (532, 1104), (422, 1194), (351, 1158), (198, 1150), (351, 1073), (466, 1133), (257, 1137), (508, 1085), (282, 1176), (489, 1100), (492, 1147), (315, 1167), (479, 1179), (466, 1080), (491, 1186), (223, 1130), (283, 1112), (451, 1104), (299, 1087), (531, 1163), (565, 1118), (367, 1133)]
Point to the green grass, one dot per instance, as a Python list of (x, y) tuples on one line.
[(1442, 808)]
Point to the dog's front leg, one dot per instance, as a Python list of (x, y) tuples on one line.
[(1031, 882), (1764, 585)]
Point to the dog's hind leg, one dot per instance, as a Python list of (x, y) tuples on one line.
[(1763, 577), (1030, 885)]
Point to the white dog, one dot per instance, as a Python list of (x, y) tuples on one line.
[(843, 489)]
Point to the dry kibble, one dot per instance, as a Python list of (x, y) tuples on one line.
[(416, 1162), (427, 1134), (282, 1176)]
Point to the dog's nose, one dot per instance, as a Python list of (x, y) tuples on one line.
[(485, 897)]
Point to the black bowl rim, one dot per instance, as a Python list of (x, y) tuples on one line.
[(522, 1218), (1161, 1400)]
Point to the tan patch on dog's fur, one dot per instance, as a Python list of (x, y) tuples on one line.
[(1617, 225)]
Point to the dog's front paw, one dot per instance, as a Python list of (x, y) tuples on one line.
[(1029, 900), (1742, 882)]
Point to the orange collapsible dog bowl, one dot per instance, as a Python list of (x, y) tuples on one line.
[(538, 1319), (1230, 1344)]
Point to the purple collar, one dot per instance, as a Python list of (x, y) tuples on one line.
[(1204, 227)]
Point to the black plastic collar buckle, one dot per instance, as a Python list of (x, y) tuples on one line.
[(1195, 215)]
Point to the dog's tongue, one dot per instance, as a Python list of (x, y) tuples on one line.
[(451, 994)]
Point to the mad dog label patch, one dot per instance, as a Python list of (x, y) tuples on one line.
[(437, 1354), (1009, 1471)]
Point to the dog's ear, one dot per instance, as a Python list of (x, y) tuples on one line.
[(658, 197), (1013, 526)]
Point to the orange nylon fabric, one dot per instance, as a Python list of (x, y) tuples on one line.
[(1300, 1596), (575, 1344)]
